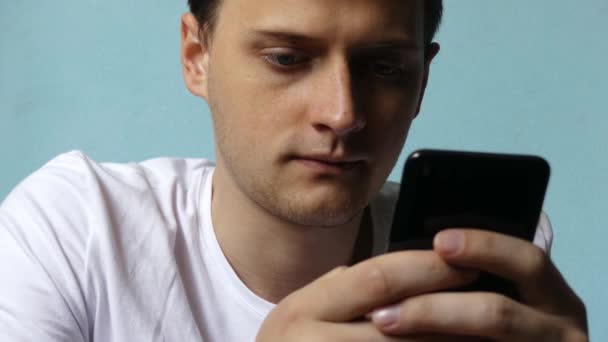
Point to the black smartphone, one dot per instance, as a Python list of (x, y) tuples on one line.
[(441, 189)]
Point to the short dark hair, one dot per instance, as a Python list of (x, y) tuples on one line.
[(205, 12)]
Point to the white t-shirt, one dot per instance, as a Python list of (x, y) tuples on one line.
[(127, 252)]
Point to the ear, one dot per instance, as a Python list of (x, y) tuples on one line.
[(195, 57), (431, 53)]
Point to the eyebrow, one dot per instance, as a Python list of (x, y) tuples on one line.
[(284, 35), (394, 44), (297, 37)]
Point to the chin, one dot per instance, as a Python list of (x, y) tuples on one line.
[(320, 218), (321, 210), (307, 201)]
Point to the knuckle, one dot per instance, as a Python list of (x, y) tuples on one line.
[(340, 269), (434, 266), (477, 244), (333, 273), (288, 312), (499, 312), (578, 314), (577, 329), (489, 240), (580, 309), (375, 281), (576, 336), (419, 313), (538, 263), (567, 333), (279, 323)]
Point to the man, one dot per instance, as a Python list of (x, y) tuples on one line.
[(311, 103)]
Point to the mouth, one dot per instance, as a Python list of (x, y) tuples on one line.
[(328, 164)]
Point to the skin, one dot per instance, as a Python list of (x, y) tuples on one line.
[(293, 85), (331, 102)]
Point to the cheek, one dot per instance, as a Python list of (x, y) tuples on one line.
[(389, 140), (389, 124), (251, 117), (393, 112)]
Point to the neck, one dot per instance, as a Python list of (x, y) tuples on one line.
[(271, 256)]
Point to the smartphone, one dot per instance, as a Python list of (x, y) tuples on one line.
[(441, 189)]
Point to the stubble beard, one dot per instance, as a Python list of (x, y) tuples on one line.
[(296, 207), (255, 180), (276, 196), (279, 197)]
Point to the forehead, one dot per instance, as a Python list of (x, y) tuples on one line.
[(348, 20)]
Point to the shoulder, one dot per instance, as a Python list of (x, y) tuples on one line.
[(60, 205), (386, 199), (79, 228), (51, 196), (132, 175), (382, 209), (74, 178), (389, 192)]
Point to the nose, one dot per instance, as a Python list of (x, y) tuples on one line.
[(336, 108)]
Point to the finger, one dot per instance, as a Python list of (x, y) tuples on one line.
[(348, 293), (480, 314), (535, 275), (366, 331)]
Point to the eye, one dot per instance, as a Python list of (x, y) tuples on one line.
[(386, 69), (286, 60)]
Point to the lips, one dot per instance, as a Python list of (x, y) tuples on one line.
[(329, 164), (332, 159)]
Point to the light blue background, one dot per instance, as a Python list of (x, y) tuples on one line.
[(513, 76)]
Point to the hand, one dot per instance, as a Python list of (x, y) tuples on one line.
[(331, 307), (549, 310)]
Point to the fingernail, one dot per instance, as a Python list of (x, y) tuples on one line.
[(387, 316), (449, 242)]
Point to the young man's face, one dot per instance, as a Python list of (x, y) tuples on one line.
[(312, 100)]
